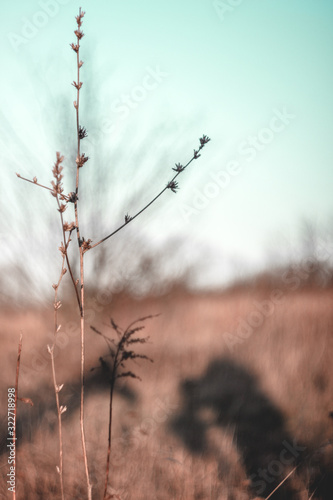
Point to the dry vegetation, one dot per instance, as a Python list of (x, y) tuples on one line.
[(122, 349), (237, 404), (204, 418)]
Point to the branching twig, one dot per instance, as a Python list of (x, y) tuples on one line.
[(280, 484), (34, 181), (120, 351), (171, 185), (57, 192)]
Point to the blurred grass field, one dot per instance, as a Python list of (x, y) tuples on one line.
[(209, 420)]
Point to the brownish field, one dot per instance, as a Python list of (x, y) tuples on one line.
[(223, 402)]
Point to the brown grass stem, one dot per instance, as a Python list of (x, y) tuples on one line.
[(66, 254), (82, 331), (107, 471), (59, 194), (34, 181), (120, 351), (281, 483), (57, 388), (79, 163)]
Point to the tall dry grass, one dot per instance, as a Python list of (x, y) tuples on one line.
[(280, 378), (63, 202)]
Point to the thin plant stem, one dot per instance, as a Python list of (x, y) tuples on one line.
[(281, 483), (33, 182), (66, 256), (107, 471), (66, 198), (57, 388), (59, 413), (120, 352), (78, 85), (112, 383), (123, 351), (82, 330)]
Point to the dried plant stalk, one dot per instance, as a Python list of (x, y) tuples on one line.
[(80, 161), (60, 411), (57, 192), (84, 246), (120, 351), (57, 388)]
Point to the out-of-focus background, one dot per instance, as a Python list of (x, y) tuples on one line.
[(254, 77), (238, 262)]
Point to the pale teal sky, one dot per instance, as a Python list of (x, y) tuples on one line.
[(189, 67)]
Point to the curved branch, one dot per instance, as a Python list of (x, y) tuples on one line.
[(171, 185)]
